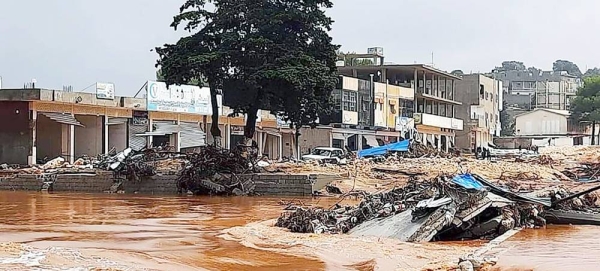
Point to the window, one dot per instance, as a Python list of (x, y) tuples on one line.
[(349, 100), (392, 109), (481, 90), (435, 108), (337, 99), (487, 96), (407, 108), (442, 110), (427, 107)]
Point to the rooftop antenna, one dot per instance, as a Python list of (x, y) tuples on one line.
[(432, 65)]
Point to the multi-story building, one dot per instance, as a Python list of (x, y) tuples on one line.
[(547, 89), (366, 113), (481, 99), (426, 112)]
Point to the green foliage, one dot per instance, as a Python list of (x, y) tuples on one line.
[(568, 66), (198, 59), (457, 72), (592, 72), (270, 54), (586, 105), (508, 123), (511, 66)]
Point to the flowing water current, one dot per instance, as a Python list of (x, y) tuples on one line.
[(131, 232)]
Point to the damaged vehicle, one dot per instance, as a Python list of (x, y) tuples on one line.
[(326, 155)]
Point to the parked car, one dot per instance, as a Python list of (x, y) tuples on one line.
[(326, 155)]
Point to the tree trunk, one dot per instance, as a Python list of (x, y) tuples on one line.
[(214, 126), (593, 133), (250, 127), (297, 139)]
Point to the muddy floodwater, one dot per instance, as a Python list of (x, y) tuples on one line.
[(130, 232), (157, 233), (556, 248)]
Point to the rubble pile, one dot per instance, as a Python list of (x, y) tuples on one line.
[(419, 150), (443, 208), (584, 172), (215, 171)]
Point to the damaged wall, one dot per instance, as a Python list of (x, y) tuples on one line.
[(15, 133)]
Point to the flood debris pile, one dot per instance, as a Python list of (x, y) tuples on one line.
[(215, 171), (584, 172), (133, 165), (448, 207)]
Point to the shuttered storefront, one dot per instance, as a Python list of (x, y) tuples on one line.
[(137, 142), (191, 135)]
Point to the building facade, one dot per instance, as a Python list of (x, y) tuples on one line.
[(415, 100), (42, 124), (481, 99), (546, 89)]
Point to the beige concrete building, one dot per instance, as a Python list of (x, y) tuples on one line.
[(481, 99), (542, 121)]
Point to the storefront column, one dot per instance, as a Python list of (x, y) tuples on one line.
[(106, 136), (150, 140), (68, 142), (280, 154), (178, 137), (32, 159)]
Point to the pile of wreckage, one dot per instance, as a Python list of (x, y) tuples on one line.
[(446, 208), (215, 171), (210, 171)]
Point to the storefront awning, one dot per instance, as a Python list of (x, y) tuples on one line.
[(371, 140), (116, 121), (387, 133), (67, 119), (338, 136), (270, 131)]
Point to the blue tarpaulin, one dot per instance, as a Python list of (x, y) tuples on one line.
[(467, 181), (401, 146)]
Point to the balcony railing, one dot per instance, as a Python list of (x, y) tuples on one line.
[(441, 122)]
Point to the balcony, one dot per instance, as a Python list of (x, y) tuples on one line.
[(441, 122)]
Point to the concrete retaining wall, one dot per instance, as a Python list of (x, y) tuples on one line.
[(266, 184)]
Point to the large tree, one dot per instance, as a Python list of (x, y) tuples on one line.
[(592, 72), (568, 66), (200, 58), (511, 66), (508, 123), (585, 107), (283, 57)]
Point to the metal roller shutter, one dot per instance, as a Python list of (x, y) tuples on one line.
[(191, 135), (115, 121), (137, 142)]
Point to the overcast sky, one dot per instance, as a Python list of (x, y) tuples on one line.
[(60, 42)]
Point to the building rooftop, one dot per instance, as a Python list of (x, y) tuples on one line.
[(400, 68), (555, 111)]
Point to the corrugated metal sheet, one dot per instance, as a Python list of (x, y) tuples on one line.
[(191, 135), (67, 119), (137, 142), (114, 121), (165, 127)]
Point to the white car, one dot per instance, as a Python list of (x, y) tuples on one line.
[(326, 155)]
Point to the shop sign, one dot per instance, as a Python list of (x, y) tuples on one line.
[(105, 91), (180, 99), (139, 118)]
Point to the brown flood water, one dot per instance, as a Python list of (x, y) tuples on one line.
[(181, 233), (157, 233), (556, 248)]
